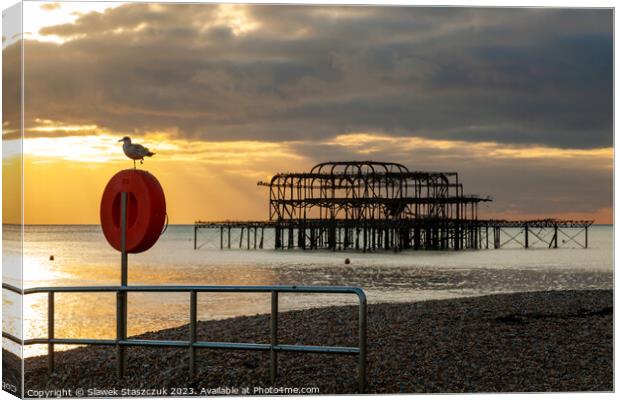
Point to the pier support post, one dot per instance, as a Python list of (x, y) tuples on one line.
[(291, 238), (301, 237), (527, 236), (331, 238), (486, 230), (374, 239), (457, 236), (338, 238), (586, 238), (278, 238), (221, 238), (365, 242), (195, 235), (386, 242)]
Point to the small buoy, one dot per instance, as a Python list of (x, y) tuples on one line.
[(52, 257), (347, 261)]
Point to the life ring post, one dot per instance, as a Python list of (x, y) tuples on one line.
[(133, 215), (124, 239), (121, 297)]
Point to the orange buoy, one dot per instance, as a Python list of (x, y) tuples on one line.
[(146, 210)]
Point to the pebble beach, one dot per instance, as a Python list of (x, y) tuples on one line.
[(523, 342)]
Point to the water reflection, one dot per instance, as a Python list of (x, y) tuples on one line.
[(83, 258)]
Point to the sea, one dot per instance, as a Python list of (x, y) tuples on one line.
[(78, 255)]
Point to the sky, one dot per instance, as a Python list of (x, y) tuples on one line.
[(518, 101)]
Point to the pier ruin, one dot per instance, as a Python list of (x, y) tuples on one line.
[(370, 206)]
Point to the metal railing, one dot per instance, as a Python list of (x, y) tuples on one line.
[(121, 341)]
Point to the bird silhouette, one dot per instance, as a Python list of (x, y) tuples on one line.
[(135, 151)]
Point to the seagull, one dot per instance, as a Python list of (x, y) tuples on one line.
[(135, 151)]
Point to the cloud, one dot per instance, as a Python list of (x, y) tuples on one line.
[(11, 91), (518, 101), (294, 73), (521, 179), (50, 6)]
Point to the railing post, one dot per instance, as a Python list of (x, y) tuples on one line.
[(362, 345), (193, 316), (273, 367), (50, 331)]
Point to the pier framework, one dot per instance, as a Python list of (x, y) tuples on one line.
[(481, 234), (372, 206)]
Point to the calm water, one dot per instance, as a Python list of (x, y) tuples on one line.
[(83, 257)]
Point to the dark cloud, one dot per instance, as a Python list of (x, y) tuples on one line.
[(539, 76), (11, 91)]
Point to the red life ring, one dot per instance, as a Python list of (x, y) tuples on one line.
[(146, 210)]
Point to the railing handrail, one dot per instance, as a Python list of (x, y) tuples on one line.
[(274, 347), (191, 288)]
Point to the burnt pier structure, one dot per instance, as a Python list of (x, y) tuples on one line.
[(370, 206)]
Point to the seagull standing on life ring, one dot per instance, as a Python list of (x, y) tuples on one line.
[(135, 151)]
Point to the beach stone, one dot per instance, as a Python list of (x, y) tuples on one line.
[(521, 342)]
